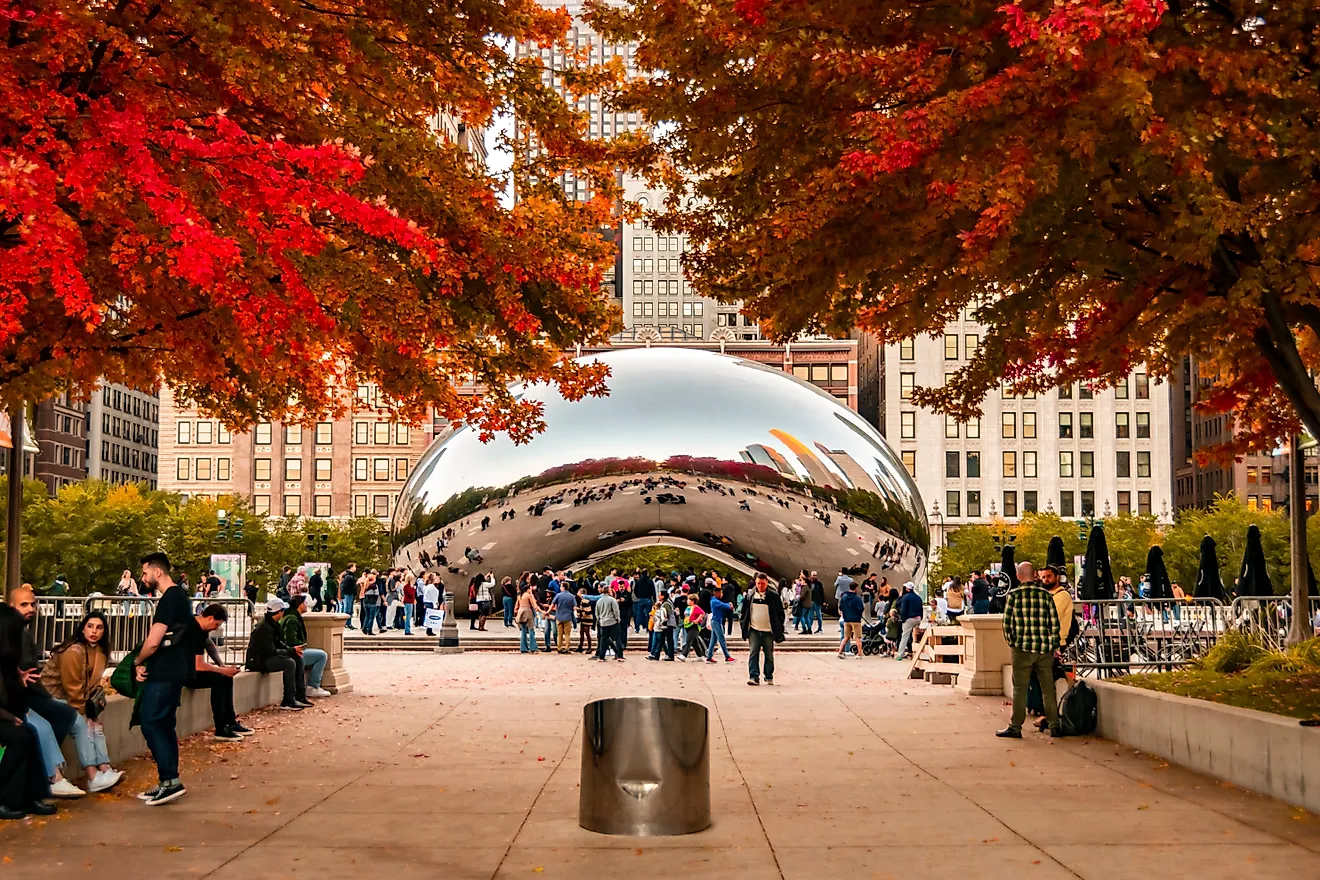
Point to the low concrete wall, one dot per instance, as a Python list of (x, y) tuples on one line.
[(252, 691), (1267, 754)]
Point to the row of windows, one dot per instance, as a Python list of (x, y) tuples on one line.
[(379, 505), (663, 243), (115, 453), (378, 433), (118, 477), (68, 456), (1140, 387), (647, 266), (667, 309), (363, 469), (954, 507), (832, 373), (665, 288), (129, 430), (731, 320), (129, 403), (186, 432), (379, 469), (1009, 426), (201, 469)]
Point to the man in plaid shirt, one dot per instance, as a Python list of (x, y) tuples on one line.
[(1031, 627)]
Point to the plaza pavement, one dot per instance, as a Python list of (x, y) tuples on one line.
[(467, 767)]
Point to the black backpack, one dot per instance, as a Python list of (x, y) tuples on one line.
[(1078, 710)]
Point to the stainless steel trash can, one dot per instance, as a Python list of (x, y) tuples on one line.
[(645, 767)]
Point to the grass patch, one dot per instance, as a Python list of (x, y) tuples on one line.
[(1286, 691)]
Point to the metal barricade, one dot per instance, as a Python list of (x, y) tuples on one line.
[(1123, 636), (57, 620), (1267, 618), (129, 622)]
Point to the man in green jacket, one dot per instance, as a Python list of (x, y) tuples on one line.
[(295, 636)]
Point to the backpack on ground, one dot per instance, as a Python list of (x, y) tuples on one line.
[(1078, 710)]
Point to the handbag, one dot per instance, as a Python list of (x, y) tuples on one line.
[(95, 705)]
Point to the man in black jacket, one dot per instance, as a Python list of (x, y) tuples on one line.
[(348, 593), (268, 652), (762, 627)]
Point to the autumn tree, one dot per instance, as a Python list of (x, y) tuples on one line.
[(251, 201), (1103, 184)]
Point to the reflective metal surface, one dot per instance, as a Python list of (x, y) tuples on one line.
[(645, 767), (748, 464)]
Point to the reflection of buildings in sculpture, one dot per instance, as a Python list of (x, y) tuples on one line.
[(852, 469), (757, 453), (816, 471)]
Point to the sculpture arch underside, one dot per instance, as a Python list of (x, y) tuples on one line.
[(741, 463)]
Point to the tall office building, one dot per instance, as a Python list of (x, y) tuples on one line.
[(123, 435), (60, 422), (1073, 451)]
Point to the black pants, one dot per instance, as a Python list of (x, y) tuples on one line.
[(222, 696), (295, 681), (22, 772)]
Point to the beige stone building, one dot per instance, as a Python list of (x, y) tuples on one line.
[(353, 466)]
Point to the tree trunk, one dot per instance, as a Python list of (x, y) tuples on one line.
[(14, 525), (1300, 629)]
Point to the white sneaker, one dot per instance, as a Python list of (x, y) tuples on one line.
[(66, 789), (105, 780), (318, 692)]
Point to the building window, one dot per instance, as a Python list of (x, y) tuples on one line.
[(906, 383), (802, 372), (262, 434), (1141, 385), (1029, 465), (1143, 426), (1029, 501), (1122, 429), (1266, 503), (1086, 425), (1010, 465), (1029, 425), (292, 435), (1143, 464), (1066, 392), (953, 504), (1124, 502), (970, 343), (820, 373), (381, 433), (1065, 464), (1084, 391), (950, 346), (907, 350), (223, 435), (261, 504), (293, 505), (1009, 426), (974, 428), (1010, 504), (204, 432), (1121, 390), (292, 469), (974, 465), (951, 427), (1088, 504), (325, 432), (183, 432), (1088, 465), (362, 433), (907, 429), (359, 505), (909, 457), (321, 469), (1143, 503), (380, 469), (1067, 502), (400, 435), (973, 504), (320, 505), (360, 469), (222, 468), (1123, 464), (400, 468), (838, 372), (261, 469), (202, 469), (1065, 425), (380, 505), (952, 464), (183, 469)]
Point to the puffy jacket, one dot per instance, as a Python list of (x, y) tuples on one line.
[(294, 629), (265, 643)]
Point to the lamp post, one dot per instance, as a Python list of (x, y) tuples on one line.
[(937, 519)]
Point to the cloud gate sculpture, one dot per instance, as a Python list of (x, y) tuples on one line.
[(741, 462)]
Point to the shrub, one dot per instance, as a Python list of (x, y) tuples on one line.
[(1233, 652)]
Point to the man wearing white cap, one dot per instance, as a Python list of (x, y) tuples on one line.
[(268, 652)]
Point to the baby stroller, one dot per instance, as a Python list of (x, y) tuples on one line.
[(873, 639)]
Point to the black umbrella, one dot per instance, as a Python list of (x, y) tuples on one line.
[(1004, 581), (1054, 553), (1010, 566), (1209, 585), (1160, 585), (1255, 578), (1098, 578)]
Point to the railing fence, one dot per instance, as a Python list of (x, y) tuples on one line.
[(129, 619)]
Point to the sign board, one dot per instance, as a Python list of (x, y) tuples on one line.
[(231, 568), (309, 568)]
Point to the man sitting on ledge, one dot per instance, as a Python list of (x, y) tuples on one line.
[(267, 652), (294, 631), (216, 677)]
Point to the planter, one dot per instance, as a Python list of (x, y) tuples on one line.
[(1268, 754)]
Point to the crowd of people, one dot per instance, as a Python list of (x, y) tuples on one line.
[(43, 702)]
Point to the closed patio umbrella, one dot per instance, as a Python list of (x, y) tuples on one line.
[(1160, 585), (1098, 578), (1054, 553), (1009, 564), (1209, 584), (1255, 577)]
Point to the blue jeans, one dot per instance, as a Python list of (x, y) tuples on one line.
[(981, 606), (664, 641), (817, 614), (368, 616), (158, 713), (640, 612), (508, 611), (51, 755), (760, 641), (52, 720), (314, 659), (717, 638), (409, 608), (346, 607), (526, 638), (550, 632)]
